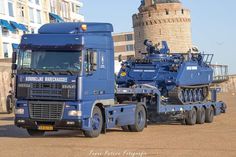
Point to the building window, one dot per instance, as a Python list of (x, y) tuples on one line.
[(64, 9), (32, 31), (129, 37), (10, 9), (6, 50), (1, 7), (182, 11), (37, 2), (20, 10), (22, 14), (167, 12), (38, 16), (129, 47), (77, 9), (53, 6), (31, 14), (5, 32), (73, 7)]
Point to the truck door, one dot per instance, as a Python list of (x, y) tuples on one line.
[(96, 84)]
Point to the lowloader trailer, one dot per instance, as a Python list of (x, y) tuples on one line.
[(65, 81), (159, 111)]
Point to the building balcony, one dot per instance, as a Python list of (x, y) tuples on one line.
[(22, 19), (77, 2), (77, 17), (22, 1)]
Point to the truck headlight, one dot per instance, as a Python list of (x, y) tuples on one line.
[(75, 113), (19, 111)]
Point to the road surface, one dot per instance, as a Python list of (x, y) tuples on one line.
[(217, 139)]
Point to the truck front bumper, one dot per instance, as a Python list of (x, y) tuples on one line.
[(57, 125)]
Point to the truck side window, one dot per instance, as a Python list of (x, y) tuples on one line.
[(26, 59), (91, 59)]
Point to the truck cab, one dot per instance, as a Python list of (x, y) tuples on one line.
[(65, 79)]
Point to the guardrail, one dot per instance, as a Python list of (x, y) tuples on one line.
[(221, 73)]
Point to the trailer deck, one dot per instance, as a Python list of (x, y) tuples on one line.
[(164, 108)]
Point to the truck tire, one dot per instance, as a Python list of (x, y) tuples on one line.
[(35, 133), (125, 128), (97, 123), (9, 104), (191, 118), (209, 115), (140, 119), (201, 115)]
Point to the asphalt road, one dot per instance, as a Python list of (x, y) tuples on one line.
[(217, 139)]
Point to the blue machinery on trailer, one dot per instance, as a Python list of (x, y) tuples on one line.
[(65, 80), (183, 78)]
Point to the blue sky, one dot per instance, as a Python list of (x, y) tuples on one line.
[(213, 23)]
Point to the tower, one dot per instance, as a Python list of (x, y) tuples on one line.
[(160, 20)]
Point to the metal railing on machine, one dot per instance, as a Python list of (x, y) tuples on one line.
[(221, 73)]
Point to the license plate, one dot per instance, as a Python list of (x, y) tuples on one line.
[(45, 127)]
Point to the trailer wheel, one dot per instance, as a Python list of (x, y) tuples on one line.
[(140, 119), (97, 123), (191, 118), (35, 133), (201, 115), (209, 115)]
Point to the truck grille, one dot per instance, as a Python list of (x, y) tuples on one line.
[(51, 90), (46, 90), (46, 111)]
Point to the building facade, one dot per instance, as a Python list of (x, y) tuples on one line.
[(27, 16), (124, 45), (160, 20)]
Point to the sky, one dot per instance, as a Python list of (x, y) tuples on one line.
[(213, 23)]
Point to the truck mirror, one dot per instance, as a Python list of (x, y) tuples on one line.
[(14, 66), (120, 58), (14, 57)]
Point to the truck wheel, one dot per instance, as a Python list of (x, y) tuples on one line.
[(9, 105), (97, 123), (191, 117), (126, 128), (201, 115), (35, 133), (209, 115), (140, 119)]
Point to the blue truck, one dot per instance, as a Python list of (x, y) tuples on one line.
[(65, 81)]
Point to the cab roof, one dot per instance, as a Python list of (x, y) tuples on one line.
[(75, 28)]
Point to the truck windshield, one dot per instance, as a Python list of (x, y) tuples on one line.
[(50, 60)]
